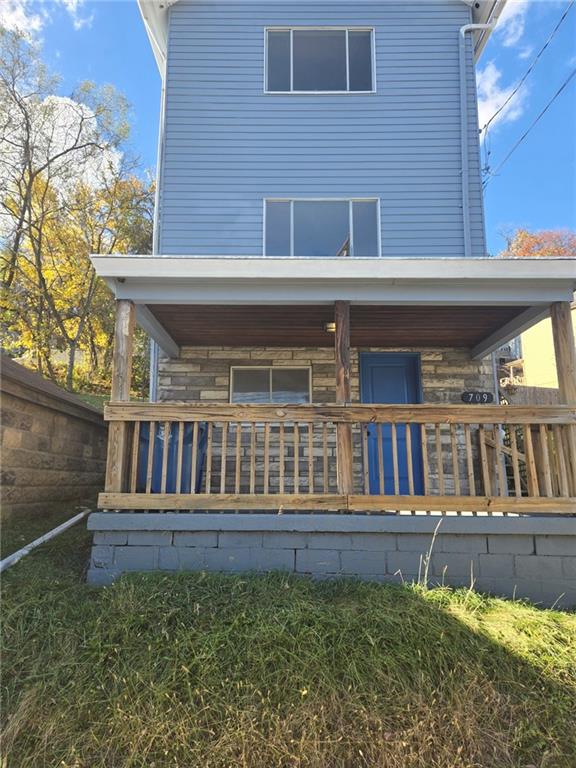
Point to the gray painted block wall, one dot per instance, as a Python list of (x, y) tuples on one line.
[(529, 557), (228, 145)]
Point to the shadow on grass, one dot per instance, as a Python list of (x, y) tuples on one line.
[(196, 670)]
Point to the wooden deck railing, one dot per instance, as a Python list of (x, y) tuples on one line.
[(415, 458)]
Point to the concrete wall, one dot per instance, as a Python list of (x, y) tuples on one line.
[(228, 145), (532, 557), (53, 444)]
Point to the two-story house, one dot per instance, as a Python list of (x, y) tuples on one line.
[(319, 294)]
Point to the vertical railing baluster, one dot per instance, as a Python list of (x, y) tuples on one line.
[(178, 487), (194, 459), (515, 461), (395, 466), (150, 458), (325, 469), (484, 460), (381, 477), (546, 471), (533, 487), (224, 457), (238, 461), (455, 462), (365, 459), (409, 459), (253, 458), (563, 472), (296, 458), (425, 460), (310, 457), (209, 439), (165, 446), (500, 461), (440, 461), (469, 461), (281, 458), (267, 458), (135, 457)]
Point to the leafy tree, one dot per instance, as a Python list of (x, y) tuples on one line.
[(66, 191), (555, 243)]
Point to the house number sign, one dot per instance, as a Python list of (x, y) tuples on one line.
[(477, 398)]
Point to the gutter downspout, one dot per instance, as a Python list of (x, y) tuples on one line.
[(465, 150), (154, 350)]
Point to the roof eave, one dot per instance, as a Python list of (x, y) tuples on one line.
[(155, 17)]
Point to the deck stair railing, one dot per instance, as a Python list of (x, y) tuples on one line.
[(504, 459)]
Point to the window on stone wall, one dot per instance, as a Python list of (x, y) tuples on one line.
[(270, 385)]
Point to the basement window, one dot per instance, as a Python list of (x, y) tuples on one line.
[(253, 385), (322, 228), (323, 60)]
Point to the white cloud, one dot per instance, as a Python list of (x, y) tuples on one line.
[(31, 16), (512, 22), (492, 95)]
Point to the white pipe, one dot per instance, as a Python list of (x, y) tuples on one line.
[(16, 556), (465, 151)]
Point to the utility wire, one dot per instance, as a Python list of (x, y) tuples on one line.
[(533, 125), (530, 68)]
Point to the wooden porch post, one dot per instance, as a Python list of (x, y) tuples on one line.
[(343, 396), (121, 382), (565, 351)]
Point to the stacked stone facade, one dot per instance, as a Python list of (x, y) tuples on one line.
[(202, 374)]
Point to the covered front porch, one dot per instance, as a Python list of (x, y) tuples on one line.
[(434, 451)]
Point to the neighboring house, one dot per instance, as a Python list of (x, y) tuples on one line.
[(320, 295), (538, 359)]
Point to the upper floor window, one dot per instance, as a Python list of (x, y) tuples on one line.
[(320, 60), (322, 228)]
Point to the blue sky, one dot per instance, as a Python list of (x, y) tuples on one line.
[(105, 41)]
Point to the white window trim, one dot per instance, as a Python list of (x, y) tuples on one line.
[(348, 200), (270, 368), (347, 92)]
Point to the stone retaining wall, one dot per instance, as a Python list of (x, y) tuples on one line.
[(53, 444), (532, 557)]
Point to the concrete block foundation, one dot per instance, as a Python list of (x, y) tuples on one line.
[(531, 557)]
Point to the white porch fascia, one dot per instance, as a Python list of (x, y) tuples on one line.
[(149, 280)]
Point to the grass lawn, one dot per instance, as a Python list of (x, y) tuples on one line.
[(201, 671)]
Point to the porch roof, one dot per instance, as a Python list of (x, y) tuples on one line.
[(476, 303)]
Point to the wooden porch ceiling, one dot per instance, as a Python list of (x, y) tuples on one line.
[(304, 325)]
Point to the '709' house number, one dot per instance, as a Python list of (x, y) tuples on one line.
[(477, 398)]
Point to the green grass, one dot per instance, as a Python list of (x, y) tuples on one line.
[(214, 671)]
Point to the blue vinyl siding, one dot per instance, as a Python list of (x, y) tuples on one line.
[(229, 145)]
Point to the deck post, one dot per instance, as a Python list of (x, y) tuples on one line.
[(343, 397), (565, 351), (121, 382)]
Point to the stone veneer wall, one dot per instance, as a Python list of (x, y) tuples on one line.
[(203, 373), (532, 557), (53, 444)]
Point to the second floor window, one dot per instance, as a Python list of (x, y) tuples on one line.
[(322, 228), (319, 60)]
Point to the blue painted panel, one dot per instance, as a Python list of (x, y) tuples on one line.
[(229, 145), (393, 379)]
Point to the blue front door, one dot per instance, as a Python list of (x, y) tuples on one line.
[(393, 379)]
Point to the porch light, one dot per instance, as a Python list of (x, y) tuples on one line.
[(330, 327)]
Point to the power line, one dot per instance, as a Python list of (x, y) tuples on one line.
[(530, 68), (533, 125)]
